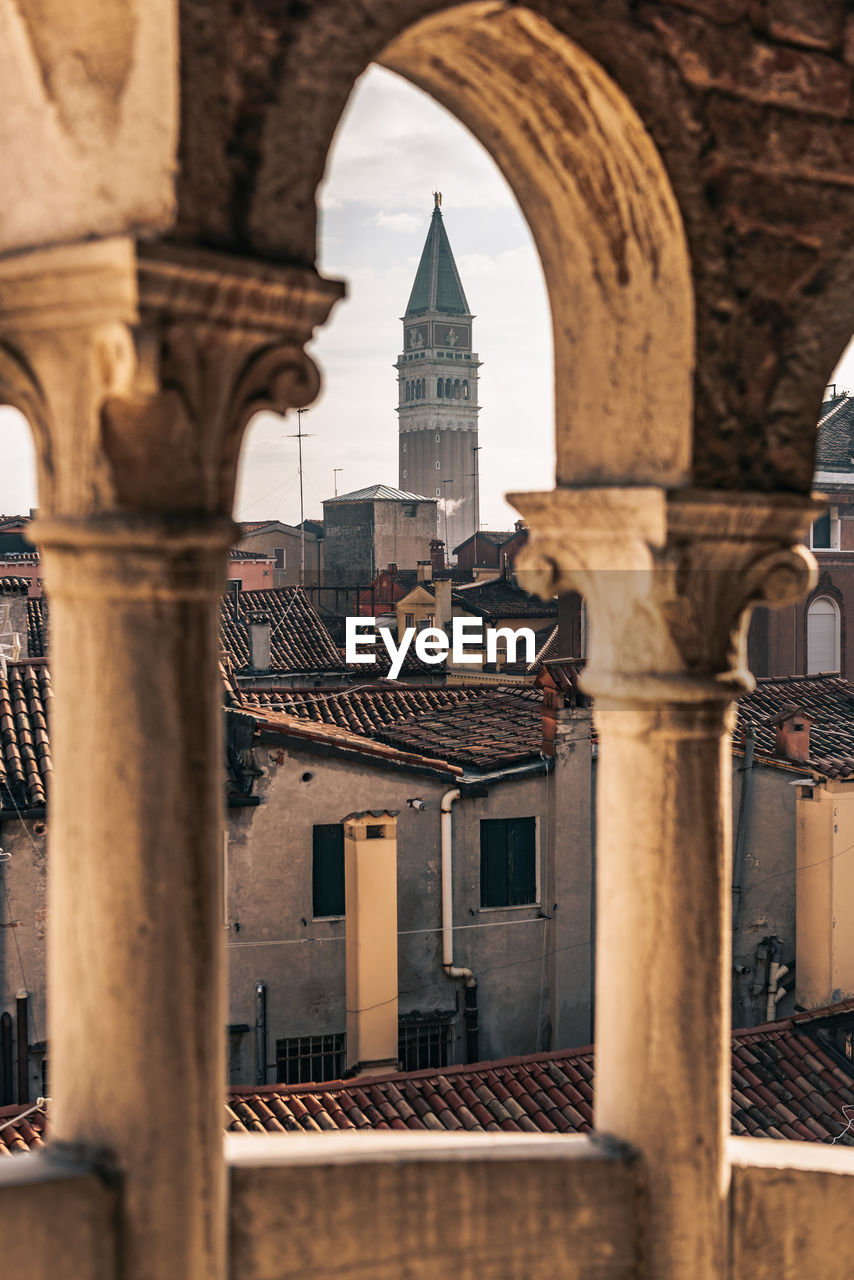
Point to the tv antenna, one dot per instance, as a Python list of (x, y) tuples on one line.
[(301, 435)]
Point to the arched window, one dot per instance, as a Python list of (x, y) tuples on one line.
[(440, 386), (424, 388), (417, 388), (407, 390), (466, 389), (447, 388), (823, 635), (456, 388)]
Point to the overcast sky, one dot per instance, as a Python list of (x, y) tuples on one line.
[(394, 147)]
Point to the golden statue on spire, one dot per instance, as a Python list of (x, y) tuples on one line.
[(437, 199)]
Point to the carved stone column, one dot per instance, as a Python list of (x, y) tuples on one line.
[(668, 580), (138, 369)]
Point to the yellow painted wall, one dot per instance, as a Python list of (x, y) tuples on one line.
[(825, 894)]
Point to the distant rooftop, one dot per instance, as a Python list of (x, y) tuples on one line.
[(379, 493)]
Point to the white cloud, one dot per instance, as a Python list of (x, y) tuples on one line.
[(405, 222)]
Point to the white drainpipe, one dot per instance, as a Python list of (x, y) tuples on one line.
[(448, 965), (448, 889)]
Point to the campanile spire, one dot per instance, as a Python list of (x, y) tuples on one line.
[(437, 390)]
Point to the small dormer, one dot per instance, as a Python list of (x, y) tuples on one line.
[(792, 733)]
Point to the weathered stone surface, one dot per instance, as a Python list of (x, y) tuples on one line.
[(91, 91), (713, 57)]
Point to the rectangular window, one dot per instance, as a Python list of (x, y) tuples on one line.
[(310, 1059), (410, 509), (824, 535), (409, 620), (422, 1042), (281, 558), (508, 861), (438, 464), (327, 870)]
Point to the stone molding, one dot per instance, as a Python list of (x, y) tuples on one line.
[(138, 367), (669, 579)]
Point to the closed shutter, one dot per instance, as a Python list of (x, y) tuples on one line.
[(493, 863), (521, 861), (508, 862), (822, 637), (328, 870)]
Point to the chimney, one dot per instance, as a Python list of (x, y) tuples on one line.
[(259, 641), (442, 588), (393, 568), (370, 882), (437, 554), (792, 733), (425, 570)]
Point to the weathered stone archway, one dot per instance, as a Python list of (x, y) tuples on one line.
[(603, 215)]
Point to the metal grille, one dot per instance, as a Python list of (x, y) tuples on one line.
[(310, 1059), (423, 1045)]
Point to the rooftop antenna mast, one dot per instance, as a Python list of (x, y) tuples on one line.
[(335, 471), (301, 435), (445, 484), (476, 448)]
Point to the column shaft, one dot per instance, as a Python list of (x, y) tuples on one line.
[(137, 1056), (662, 1011)]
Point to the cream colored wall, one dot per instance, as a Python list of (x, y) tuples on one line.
[(370, 878), (825, 894)]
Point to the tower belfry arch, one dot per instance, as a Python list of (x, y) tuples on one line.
[(437, 374)]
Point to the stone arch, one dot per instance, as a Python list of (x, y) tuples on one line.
[(603, 215), (605, 221)]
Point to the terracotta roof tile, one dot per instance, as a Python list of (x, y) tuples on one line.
[(299, 640), (37, 626), (25, 761), (829, 702), (552, 1092)]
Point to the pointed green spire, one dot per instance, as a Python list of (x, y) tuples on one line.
[(437, 284)]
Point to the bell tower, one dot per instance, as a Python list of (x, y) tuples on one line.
[(437, 375)]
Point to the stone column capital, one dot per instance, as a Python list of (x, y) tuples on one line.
[(669, 578), (139, 365)]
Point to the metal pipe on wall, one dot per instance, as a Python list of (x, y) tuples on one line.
[(22, 1002), (452, 970), (6, 1094), (260, 1033)]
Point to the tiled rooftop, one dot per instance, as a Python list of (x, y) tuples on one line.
[(366, 711), (299, 640), (828, 700), (24, 1133), (37, 626), (25, 763), (498, 598), (14, 586), (497, 728), (786, 1083), (835, 444)]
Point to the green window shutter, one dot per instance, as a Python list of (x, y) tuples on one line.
[(508, 862), (327, 870), (493, 862), (521, 860)]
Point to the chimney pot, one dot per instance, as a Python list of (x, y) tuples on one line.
[(425, 570), (259, 641)]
